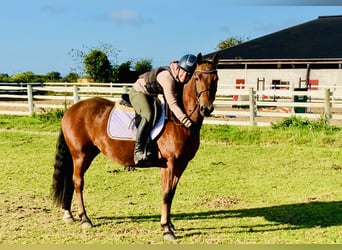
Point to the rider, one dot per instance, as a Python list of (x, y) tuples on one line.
[(163, 80)]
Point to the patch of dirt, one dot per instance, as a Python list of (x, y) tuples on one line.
[(220, 202)]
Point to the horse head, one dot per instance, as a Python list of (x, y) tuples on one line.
[(205, 84)]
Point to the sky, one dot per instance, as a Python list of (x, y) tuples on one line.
[(38, 35)]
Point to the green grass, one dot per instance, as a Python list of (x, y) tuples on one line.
[(45, 122), (245, 185)]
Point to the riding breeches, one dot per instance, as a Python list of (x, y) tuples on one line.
[(142, 104)]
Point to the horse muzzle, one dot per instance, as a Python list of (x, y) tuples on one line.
[(206, 110)]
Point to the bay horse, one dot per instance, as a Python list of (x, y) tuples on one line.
[(83, 136)]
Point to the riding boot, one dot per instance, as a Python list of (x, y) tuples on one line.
[(143, 131), (148, 148)]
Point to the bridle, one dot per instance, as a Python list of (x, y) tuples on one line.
[(198, 94)]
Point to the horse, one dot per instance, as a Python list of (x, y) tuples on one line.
[(83, 135)]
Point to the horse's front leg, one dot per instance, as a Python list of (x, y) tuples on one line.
[(169, 179), (165, 221)]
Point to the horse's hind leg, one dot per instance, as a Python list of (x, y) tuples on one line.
[(81, 164), (67, 199)]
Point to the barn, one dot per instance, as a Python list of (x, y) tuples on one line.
[(305, 56)]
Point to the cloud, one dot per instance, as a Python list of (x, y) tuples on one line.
[(125, 16)]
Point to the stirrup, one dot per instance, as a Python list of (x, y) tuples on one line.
[(145, 159), (138, 157)]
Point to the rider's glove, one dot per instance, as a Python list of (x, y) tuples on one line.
[(189, 124)]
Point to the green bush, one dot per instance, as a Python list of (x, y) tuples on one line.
[(53, 116), (304, 123)]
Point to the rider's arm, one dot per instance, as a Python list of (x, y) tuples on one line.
[(168, 84)]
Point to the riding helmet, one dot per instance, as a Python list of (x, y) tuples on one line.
[(188, 63)]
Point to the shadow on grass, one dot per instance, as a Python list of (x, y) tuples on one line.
[(295, 216)]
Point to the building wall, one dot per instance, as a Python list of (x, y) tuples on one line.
[(327, 77), (291, 77)]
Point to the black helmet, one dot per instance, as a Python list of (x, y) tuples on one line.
[(188, 63)]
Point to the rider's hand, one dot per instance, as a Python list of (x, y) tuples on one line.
[(189, 124)]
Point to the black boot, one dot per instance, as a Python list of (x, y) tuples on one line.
[(143, 131)]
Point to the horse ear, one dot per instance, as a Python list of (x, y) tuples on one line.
[(214, 59), (199, 58)]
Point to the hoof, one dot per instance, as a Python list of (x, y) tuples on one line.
[(169, 236), (68, 219), (86, 225)]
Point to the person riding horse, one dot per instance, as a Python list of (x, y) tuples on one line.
[(165, 81), (83, 136)]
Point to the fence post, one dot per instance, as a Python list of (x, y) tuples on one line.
[(252, 106), (30, 99), (76, 97), (125, 89), (327, 106)]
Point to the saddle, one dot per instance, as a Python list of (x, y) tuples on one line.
[(123, 121)]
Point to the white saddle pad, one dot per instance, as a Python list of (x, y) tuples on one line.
[(121, 124)]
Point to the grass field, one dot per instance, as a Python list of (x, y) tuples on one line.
[(245, 185)]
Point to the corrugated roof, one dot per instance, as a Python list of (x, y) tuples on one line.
[(317, 39)]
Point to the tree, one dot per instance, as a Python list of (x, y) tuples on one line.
[(71, 77), (4, 77), (143, 66), (230, 42), (97, 66), (124, 73), (53, 76), (78, 56), (24, 77)]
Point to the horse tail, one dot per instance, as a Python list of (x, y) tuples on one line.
[(62, 184)]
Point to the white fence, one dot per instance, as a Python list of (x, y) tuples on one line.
[(264, 107), (233, 106), (38, 99)]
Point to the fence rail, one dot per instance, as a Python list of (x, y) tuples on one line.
[(233, 106)]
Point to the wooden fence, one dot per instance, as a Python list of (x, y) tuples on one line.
[(30, 99), (233, 106), (264, 107)]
